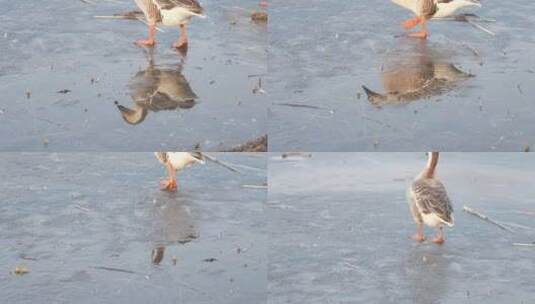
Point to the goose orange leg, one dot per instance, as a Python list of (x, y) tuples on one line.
[(411, 23), (422, 34), (419, 235), (439, 239), (182, 42), (171, 183), (152, 37)]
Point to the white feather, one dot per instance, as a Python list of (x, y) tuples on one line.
[(432, 220), (181, 160), (177, 16), (445, 10)]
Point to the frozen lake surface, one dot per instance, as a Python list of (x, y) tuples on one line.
[(322, 52), (340, 225), (69, 216), (61, 46)]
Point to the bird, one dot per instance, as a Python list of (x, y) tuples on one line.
[(429, 202), (416, 82), (157, 89), (169, 13), (415, 77), (428, 9), (176, 161), (173, 225)]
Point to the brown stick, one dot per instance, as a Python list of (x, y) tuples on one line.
[(479, 26), (115, 269), (221, 163), (298, 105), (485, 218)]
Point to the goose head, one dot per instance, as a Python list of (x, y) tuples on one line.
[(133, 116)]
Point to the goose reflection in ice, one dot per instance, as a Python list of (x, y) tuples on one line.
[(426, 272), (156, 89), (173, 225), (416, 74)]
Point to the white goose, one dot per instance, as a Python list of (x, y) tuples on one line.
[(428, 9), (169, 13), (176, 161), (429, 202)]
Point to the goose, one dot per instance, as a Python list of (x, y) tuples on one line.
[(155, 90), (415, 83), (428, 9), (429, 203), (173, 225), (415, 77), (169, 13), (176, 161)]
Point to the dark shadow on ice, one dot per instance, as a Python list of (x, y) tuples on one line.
[(157, 89), (416, 71), (173, 224)]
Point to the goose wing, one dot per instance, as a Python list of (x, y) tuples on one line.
[(150, 9), (431, 197), (162, 157), (198, 156)]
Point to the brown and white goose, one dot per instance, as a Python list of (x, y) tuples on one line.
[(176, 161), (416, 83), (429, 202), (169, 13), (415, 74), (156, 90), (428, 9)]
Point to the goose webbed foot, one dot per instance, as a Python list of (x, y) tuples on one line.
[(146, 42), (439, 239), (168, 185), (423, 34), (151, 41), (418, 237), (181, 45), (182, 42)]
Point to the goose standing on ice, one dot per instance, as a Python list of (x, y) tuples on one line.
[(169, 13), (427, 9), (176, 161), (429, 202)]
